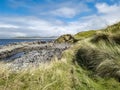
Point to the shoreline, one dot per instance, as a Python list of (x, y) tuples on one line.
[(32, 38), (34, 53), (9, 41)]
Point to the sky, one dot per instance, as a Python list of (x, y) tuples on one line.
[(55, 17)]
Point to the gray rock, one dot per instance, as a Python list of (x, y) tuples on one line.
[(35, 53)]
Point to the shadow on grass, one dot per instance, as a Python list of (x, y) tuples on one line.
[(98, 61)]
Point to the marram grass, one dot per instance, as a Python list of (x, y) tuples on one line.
[(64, 74), (86, 65)]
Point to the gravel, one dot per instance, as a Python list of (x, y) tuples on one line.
[(34, 55)]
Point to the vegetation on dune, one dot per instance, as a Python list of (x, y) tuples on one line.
[(84, 34), (113, 28), (102, 59), (92, 63), (109, 34), (64, 74), (100, 36), (106, 36)]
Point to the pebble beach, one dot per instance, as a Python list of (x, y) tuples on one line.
[(18, 56)]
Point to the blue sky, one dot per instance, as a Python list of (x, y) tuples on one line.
[(55, 17)]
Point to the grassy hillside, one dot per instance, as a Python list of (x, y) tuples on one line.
[(66, 74), (92, 63), (84, 34), (113, 28), (110, 29)]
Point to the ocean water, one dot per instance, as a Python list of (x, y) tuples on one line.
[(9, 41)]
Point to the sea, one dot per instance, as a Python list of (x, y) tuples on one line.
[(10, 41)]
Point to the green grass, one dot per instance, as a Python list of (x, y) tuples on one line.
[(85, 34), (115, 28), (64, 74), (93, 63), (102, 59)]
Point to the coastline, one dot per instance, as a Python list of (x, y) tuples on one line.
[(12, 41), (21, 55)]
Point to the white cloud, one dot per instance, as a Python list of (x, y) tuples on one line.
[(61, 8), (109, 9), (110, 13), (38, 27), (8, 26), (33, 26), (70, 10), (65, 12), (29, 26), (15, 34)]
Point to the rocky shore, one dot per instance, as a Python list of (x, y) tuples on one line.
[(21, 55)]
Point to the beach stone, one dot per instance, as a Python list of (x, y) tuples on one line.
[(34, 53)]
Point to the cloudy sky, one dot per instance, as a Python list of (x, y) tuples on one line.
[(55, 17)]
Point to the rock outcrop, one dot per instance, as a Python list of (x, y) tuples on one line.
[(68, 38)]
